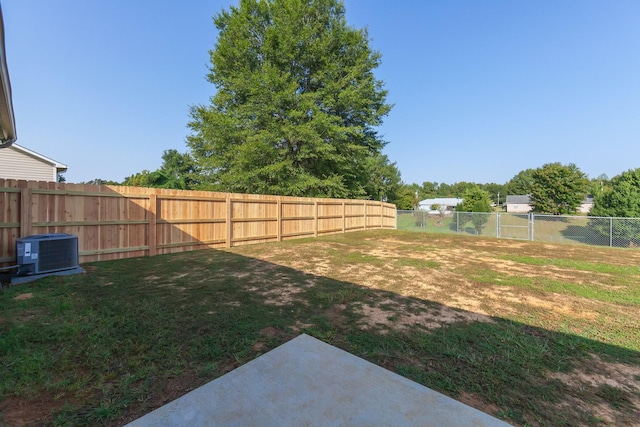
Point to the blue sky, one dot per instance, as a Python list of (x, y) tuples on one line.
[(481, 89)]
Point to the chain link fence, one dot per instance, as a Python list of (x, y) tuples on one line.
[(596, 231)]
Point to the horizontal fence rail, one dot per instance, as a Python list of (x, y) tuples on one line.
[(586, 230), (114, 222)]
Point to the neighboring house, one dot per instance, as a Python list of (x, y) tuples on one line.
[(518, 204), (522, 204), (586, 205), (17, 162), (445, 205)]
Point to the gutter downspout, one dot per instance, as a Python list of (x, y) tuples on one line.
[(7, 118)]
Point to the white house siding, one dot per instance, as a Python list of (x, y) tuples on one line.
[(585, 207), (518, 207), (522, 208), (15, 164)]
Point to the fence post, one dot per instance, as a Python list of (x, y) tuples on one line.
[(381, 215), (26, 216), (532, 216), (315, 218), (365, 215), (279, 219), (610, 232), (344, 217), (153, 220), (457, 222), (228, 222), (497, 224)]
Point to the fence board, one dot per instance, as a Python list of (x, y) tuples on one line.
[(114, 222)]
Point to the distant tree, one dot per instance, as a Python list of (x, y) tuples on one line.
[(620, 199), (440, 208), (444, 190), (494, 189), (405, 198), (155, 179), (597, 185), (381, 177), (176, 172), (100, 181), (520, 184), (458, 188), (428, 190), (558, 189), (475, 201), (296, 103), (179, 170)]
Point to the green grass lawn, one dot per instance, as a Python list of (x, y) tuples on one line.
[(535, 334)]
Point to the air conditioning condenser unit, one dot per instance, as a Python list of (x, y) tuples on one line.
[(45, 254)]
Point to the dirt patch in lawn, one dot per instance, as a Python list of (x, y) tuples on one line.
[(22, 412), (23, 297), (477, 402), (394, 315), (611, 386), (598, 372)]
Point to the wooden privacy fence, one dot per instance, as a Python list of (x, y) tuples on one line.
[(114, 222)]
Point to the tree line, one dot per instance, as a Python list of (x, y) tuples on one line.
[(553, 188)]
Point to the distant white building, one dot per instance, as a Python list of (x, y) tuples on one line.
[(522, 204), (445, 205), (518, 203)]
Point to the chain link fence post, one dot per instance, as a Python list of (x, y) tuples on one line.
[(610, 232), (532, 227)]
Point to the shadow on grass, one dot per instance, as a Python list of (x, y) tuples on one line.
[(589, 235), (128, 336), (585, 235)]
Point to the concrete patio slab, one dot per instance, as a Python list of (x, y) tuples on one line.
[(307, 382)]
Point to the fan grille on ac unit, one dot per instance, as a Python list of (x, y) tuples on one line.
[(58, 254)]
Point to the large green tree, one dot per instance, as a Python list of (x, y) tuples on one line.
[(558, 189), (620, 198), (296, 105), (521, 183)]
